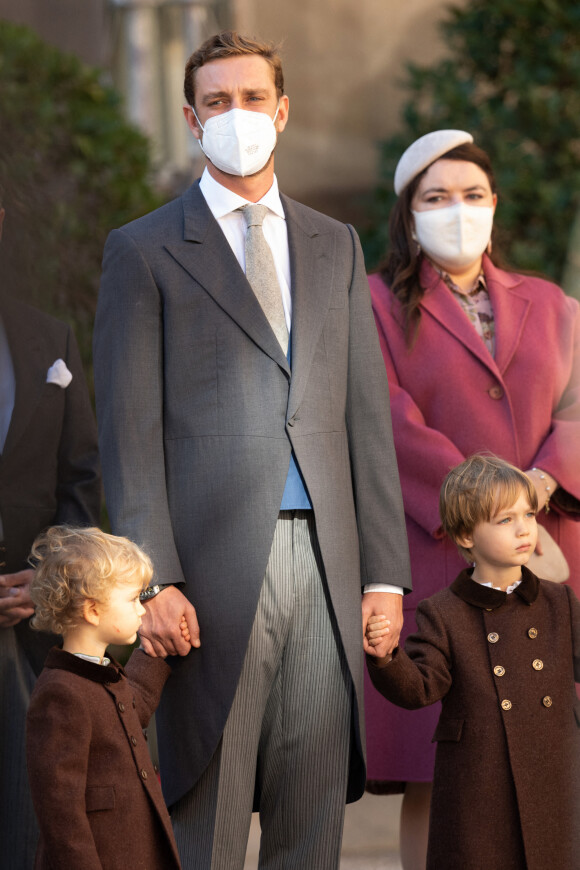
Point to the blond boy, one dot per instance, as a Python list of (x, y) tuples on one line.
[(94, 787)]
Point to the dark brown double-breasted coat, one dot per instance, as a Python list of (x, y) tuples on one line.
[(95, 791), (506, 792)]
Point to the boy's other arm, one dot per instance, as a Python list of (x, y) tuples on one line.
[(575, 623), (147, 676)]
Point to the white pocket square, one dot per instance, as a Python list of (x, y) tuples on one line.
[(59, 374)]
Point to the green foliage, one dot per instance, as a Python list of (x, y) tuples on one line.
[(71, 169), (512, 78)]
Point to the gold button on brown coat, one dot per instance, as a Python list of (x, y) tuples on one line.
[(506, 791)]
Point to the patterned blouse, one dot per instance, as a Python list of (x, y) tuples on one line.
[(477, 305)]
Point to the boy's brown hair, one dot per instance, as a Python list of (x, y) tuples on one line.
[(477, 490), (75, 564), (229, 43)]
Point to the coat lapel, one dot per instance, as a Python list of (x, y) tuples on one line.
[(30, 369), (510, 311), (205, 254), (312, 266), (439, 302)]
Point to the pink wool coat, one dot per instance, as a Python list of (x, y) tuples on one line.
[(449, 399), (95, 792), (506, 792)]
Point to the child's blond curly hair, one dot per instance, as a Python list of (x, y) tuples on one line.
[(75, 564), (477, 490)]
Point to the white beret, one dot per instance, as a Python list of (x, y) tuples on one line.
[(425, 151)]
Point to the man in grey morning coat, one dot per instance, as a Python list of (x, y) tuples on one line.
[(263, 484)]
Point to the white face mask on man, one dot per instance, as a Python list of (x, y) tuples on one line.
[(238, 142), (454, 236)]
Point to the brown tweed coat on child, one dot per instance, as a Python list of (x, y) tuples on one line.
[(506, 792), (94, 788)]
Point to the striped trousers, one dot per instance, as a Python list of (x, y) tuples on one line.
[(287, 736)]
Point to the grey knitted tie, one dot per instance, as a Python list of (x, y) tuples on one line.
[(261, 272)]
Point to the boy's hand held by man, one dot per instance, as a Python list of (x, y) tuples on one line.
[(163, 631)]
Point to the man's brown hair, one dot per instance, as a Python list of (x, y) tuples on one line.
[(476, 491), (229, 43)]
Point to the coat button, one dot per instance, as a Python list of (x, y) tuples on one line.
[(133, 740), (537, 664), (547, 701), (506, 705), (121, 706), (144, 774), (499, 671), (532, 632), (493, 637), (496, 392)]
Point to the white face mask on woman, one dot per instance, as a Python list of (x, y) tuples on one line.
[(454, 236), (238, 142)]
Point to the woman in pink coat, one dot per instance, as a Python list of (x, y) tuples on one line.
[(478, 359)]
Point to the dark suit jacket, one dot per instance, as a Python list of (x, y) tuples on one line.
[(198, 412), (506, 791), (49, 468), (95, 791)]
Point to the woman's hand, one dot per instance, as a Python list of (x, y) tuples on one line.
[(544, 484)]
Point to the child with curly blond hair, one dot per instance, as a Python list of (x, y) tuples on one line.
[(94, 787)]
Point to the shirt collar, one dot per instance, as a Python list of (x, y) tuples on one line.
[(222, 201), (478, 284), (97, 660)]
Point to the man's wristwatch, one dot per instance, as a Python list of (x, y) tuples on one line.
[(150, 593)]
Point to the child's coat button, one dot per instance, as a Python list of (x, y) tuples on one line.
[(144, 774), (499, 671), (537, 664), (121, 706), (532, 632), (506, 705), (493, 637), (547, 701)]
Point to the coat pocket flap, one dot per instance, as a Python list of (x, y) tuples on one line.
[(448, 729), (100, 797)]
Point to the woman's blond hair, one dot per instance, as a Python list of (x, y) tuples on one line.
[(75, 564), (477, 490)]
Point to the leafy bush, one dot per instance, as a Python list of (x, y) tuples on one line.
[(71, 169), (512, 78)]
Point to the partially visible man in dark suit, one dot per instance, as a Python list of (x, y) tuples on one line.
[(246, 442), (49, 473)]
